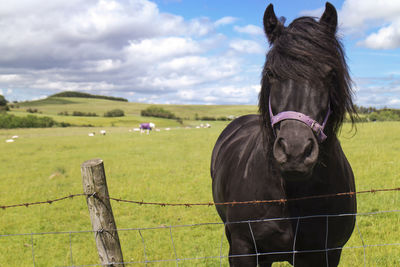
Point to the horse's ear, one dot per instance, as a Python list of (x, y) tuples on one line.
[(329, 18), (271, 24)]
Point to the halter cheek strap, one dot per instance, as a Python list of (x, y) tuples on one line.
[(317, 128)]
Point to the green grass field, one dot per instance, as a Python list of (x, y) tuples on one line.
[(166, 166)]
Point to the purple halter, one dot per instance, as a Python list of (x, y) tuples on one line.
[(317, 128)]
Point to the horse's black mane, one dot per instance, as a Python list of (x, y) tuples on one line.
[(303, 51)]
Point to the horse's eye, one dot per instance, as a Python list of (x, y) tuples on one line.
[(331, 76), (269, 73)]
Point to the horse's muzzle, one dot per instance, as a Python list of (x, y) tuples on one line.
[(295, 149)]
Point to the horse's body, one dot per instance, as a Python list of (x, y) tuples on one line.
[(243, 171), (254, 160)]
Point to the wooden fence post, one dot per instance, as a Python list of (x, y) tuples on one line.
[(101, 215)]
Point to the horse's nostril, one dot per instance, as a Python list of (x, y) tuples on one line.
[(283, 145), (311, 152), (308, 149), (280, 150)]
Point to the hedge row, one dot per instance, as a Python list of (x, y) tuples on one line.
[(111, 113), (159, 112), (10, 121), (78, 113)]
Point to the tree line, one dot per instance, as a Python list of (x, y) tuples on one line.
[(374, 114), (86, 95)]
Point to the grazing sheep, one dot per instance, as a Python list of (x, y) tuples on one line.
[(103, 132)]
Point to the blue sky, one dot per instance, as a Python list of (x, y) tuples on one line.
[(180, 51)]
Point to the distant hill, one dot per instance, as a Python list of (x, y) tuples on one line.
[(55, 106), (86, 95)]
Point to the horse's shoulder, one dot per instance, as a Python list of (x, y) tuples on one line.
[(240, 131), (241, 127)]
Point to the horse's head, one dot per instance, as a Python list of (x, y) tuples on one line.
[(305, 89)]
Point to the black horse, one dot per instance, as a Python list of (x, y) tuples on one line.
[(290, 151)]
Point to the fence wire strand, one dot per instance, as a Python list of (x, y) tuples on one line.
[(254, 242), (209, 223), (220, 250), (232, 203), (144, 247), (33, 250), (70, 248), (362, 241), (173, 246), (294, 241), (326, 241)]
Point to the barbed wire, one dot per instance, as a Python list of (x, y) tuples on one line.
[(40, 202), (231, 203), (254, 201)]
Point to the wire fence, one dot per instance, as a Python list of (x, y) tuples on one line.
[(221, 256), (178, 259)]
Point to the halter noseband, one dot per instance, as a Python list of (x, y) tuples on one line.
[(317, 128)]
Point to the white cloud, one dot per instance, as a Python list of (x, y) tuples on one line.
[(386, 38), (247, 46), (200, 27), (7, 92), (187, 94), (9, 77), (358, 16), (313, 13), (395, 101), (103, 65), (225, 21), (221, 94), (189, 71), (160, 48), (378, 92), (249, 29)]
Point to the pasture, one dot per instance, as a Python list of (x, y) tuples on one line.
[(167, 166)]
